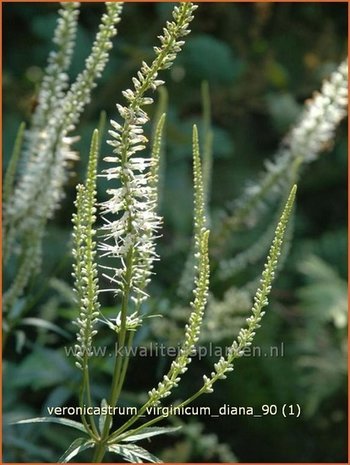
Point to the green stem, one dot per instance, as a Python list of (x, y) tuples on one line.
[(99, 453), (122, 334), (92, 434), (124, 367), (89, 400), (132, 420), (119, 370)]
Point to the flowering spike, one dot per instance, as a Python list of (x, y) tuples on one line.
[(246, 335), (12, 166), (48, 154), (199, 205), (200, 219), (49, 148), (312, 135), (200, 293), (85, 268), (55, 81), (130, 236)]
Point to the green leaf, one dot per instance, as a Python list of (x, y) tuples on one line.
[(77, 446), (133, 453), (151, 431), (101, 128), (43, 26), (325, 295), (58, 396), (40, 323), (102, 419), (20, 340), (180, 137), (28, 449), (60, 421), (44, 368), (221, 66)]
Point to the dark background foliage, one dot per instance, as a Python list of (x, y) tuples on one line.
[(261, 62)]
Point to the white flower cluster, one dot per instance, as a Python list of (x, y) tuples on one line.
[(48, 147), (222, 367), (130, 234), (312, 135), (135, 203), (41, 137), (132, 322), (79, 94), (321, 117), (47, 153), (56, 78)]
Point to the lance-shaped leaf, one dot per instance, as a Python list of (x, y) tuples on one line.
[(149, 432), (77, 446), (60, 421), (133, 453)]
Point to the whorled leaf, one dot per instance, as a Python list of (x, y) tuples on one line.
[(60, 421), (133, 453), (77, 446), (149, 432)]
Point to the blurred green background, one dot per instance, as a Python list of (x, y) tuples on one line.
[(261, 62)]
